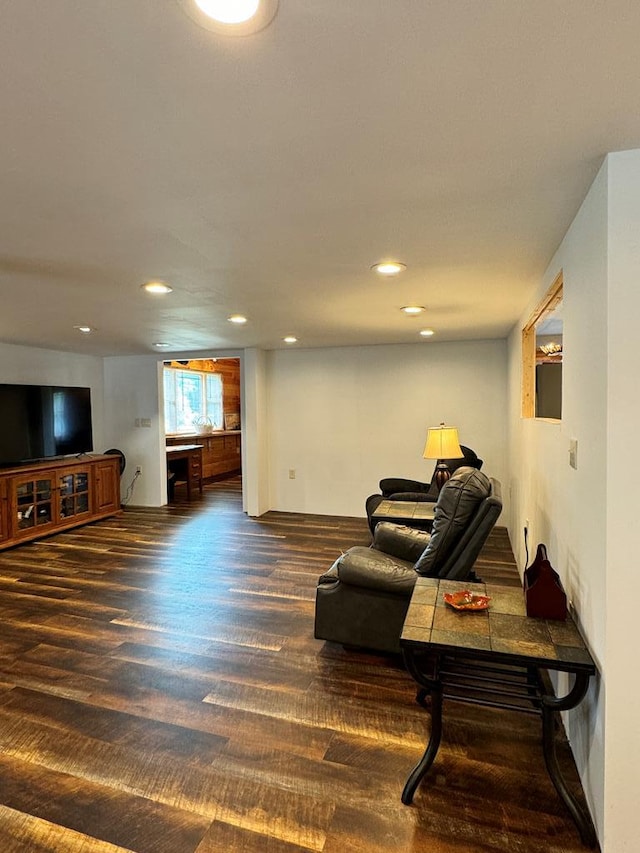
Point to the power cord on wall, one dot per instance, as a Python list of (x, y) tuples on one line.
[(526, 547), (129, 493)]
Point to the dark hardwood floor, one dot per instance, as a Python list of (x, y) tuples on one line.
[(161, 692)]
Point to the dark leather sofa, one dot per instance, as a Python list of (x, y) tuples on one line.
[(363, 599)]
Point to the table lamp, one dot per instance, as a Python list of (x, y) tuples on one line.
[(442, 443)]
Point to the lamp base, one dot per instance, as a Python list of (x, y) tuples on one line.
[(442, 474)]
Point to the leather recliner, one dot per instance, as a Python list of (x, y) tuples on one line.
[(363, 599), (402, 489)]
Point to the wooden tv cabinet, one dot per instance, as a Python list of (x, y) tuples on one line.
[(41, 498)]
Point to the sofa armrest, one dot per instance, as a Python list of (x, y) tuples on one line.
[(371, 569), (391, 485), (331, 576), (400, 541)]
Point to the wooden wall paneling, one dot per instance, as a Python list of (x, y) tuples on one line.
[(229, 369)]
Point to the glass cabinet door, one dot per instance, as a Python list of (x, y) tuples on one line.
[(74, 493), (34, 505), (4, 511)]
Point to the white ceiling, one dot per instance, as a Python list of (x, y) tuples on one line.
[(264, 175)]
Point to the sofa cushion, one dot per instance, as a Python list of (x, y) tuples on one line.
[(365, 567), (401, 541), (458, 501), (421, 497)]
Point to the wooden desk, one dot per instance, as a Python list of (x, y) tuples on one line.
[(221, 452), (184, 464), (497, 657), (418, 514)]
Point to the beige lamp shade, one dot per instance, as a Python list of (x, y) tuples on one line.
[(442, 443)]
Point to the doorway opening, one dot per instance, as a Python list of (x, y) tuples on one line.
[(202, 415)]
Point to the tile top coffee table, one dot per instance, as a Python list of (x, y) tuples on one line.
[(417, 514), (497, 657)]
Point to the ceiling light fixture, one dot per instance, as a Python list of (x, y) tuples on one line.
[(426, 333), (229, 11), (413, 309), (86, 330), (389, 268), (551, 349), (156, 287), (161, 345), (290, 339), (231, 17), (238, 319)]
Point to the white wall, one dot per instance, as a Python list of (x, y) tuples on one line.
[(132, 387), (255, 433), (343, 418), (622, 776), (588, 517), (30, 366), (133, 391), (566, 508)]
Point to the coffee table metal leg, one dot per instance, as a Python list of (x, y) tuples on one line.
[(422, 697), (550, 705), (418, 772)]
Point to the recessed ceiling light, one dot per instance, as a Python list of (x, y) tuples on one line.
[(86, 330), (413, 309), (156, 287), (229, 11), (162, 345), (290, 339), (238, 319), (231, 17), (426, 333), (389, 267)]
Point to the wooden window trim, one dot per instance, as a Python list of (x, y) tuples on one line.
[(548, 304)]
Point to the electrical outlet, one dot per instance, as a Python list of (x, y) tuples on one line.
[(573, 453), (138, 469), (292, 473)]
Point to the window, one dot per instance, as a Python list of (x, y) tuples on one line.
[(542, 353), (191, 396)]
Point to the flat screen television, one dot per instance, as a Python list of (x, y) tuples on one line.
[(42, 422)]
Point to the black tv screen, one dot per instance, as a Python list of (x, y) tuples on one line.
[(43, 421)]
